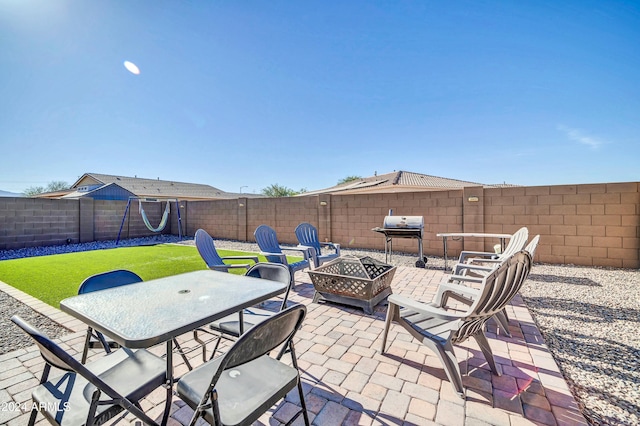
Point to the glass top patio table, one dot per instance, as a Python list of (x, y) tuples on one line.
[(151, 312), (144, 314)]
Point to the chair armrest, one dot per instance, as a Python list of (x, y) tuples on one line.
[(303, 249), (459, 288), (423, 308), (462, 268), (334, 246), (254, 258), (283, 257), (478, 260), (471, 254)]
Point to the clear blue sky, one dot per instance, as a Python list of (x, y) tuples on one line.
[(305, 93)]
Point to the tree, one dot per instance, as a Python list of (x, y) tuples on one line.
[(276, 190), (55, 185), (349, 179)]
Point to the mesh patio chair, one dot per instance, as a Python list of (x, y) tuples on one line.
[(268, 242), (439, 329), (307, 236), (234, 325), (238, 387), (208, 252), (98, 282), (96, 392)]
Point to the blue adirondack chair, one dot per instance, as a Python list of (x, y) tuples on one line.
[(208, 252), (307, 235), (271, 249)]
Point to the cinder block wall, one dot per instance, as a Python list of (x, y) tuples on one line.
[(30, 222), (578, 224), (596, 224)]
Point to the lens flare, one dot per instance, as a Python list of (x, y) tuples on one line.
[(131, 67)]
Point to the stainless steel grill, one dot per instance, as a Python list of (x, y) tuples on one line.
[(402, 227)]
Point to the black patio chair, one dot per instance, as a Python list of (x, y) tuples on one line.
[(93, 393), (98, 282), (234, 325), (238, 387)]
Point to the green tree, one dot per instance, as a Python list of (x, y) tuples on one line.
[(349, 179), (55, 185), (276, 190)]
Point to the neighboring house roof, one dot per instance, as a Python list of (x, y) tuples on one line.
[(112, 187), (400, 181)]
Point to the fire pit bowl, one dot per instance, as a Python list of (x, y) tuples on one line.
[(357, 281)]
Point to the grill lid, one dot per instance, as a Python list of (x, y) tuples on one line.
[(403, 222)]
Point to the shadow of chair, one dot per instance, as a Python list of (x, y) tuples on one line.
[(439, 329), (208, 252), (96, 392), (241, 385), (307, 236)]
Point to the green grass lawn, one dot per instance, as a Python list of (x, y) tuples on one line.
[(56, 277)]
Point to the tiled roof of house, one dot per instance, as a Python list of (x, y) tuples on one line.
[(400, 180), (142, 187)]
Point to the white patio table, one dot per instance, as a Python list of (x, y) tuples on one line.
[(144, 314)]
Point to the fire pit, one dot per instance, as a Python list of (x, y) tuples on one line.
[(357, 281)]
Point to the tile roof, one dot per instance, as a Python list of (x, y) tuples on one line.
[(142, 187), (400, 180)]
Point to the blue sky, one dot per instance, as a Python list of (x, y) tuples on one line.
[(251, 93)]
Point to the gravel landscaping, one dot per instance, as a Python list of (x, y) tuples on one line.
[(589, 318)]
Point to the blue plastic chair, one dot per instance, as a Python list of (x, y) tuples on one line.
[(208, 252), (270, 248), (98, 282), (307, 235)]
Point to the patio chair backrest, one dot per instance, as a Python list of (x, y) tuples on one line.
[(497, 289), (54, 355), (273, 272), (307, 235), (516, 243), (207, 249), (268, 242), (260, 340), (107, 280), (265, 337), (532, 246), (270, 271)]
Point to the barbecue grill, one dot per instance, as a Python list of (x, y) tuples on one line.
[(402, 227)]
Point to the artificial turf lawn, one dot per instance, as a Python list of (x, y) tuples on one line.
[(56, 277)]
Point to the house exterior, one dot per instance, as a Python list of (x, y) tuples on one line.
[(397, 181), (111, 187)]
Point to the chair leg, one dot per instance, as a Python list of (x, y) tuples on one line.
[(391, 309), (486, 351), (85, 350), (43, 379), (503, 322), (450, 363)]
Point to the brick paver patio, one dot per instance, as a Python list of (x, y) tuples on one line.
[(348, 382)]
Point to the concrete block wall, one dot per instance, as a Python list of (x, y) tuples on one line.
[(218, 217), (30, 222), (595, 224)]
